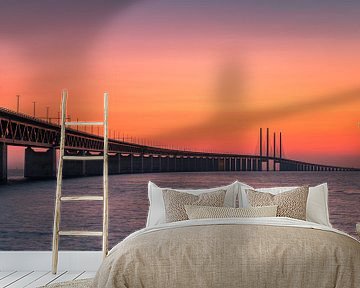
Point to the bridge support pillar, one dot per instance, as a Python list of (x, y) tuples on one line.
[(95, 167), (131, 163), (40, 164), (162, 163), (190, 164), (203, 164), (166, 163), (282, 166), (254, 165), (182, 164), (114, 164), (119, 163), (156, 163), (147, 163), (209, 164), (3, 162), (142, 163), (248, 164), (137, 164), (74, 168), (222, 164), (243, 164), (227, 164), (238, 164), (125, 163)]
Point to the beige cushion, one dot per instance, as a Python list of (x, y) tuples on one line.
[(156, 214), (290, 204), (175, 201), (201, 212), (317, 210)]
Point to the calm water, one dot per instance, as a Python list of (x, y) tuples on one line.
[(26, 207)]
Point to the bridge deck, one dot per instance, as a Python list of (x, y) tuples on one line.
[(22, 130)]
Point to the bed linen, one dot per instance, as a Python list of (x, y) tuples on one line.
[(233, 252)]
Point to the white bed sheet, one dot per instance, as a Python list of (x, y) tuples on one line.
[(272, 221)]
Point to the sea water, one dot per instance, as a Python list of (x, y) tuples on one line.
[(27, 207)]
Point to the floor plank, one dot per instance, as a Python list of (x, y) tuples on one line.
[(12, 278), (32, 279), (68, 276), (77, 277), (49, 277), (86, 275), (41, 260), (4, 274), (28, 279)]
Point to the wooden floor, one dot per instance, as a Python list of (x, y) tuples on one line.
[(32, 279), (32, 268)]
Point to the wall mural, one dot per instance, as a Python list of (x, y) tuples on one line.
[(266, 92)]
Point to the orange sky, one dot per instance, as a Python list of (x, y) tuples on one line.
[(201, 80)]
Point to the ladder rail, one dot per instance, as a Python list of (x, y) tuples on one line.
[(105, 179), (55, 242)]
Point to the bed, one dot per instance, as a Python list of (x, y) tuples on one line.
[(235, 251)]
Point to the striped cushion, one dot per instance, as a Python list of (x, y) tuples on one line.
[(201, 212)]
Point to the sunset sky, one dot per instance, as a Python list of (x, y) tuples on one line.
[(198, 74)]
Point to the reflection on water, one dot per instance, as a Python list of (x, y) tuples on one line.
[(27, 206)]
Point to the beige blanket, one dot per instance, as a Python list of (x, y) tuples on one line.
[(233, 255)]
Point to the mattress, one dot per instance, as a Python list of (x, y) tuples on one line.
[(233, 252)]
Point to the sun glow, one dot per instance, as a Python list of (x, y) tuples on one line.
[(163, 66)]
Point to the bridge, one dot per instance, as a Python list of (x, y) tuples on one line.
[(18, 129)]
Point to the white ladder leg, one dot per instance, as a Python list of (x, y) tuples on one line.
[(105, 180), (55, 242)]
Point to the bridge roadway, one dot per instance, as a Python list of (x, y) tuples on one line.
[(18, 129)]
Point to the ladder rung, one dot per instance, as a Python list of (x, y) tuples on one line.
[(83, 123), (80, 233), (82, 198), (83, 157)]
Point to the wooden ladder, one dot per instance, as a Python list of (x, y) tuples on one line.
[(56, 231)]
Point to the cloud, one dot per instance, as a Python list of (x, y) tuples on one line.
[(54, 37), (228, 120)]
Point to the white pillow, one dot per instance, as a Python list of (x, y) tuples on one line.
[(317, 203), (242, 198), (156, 214)]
